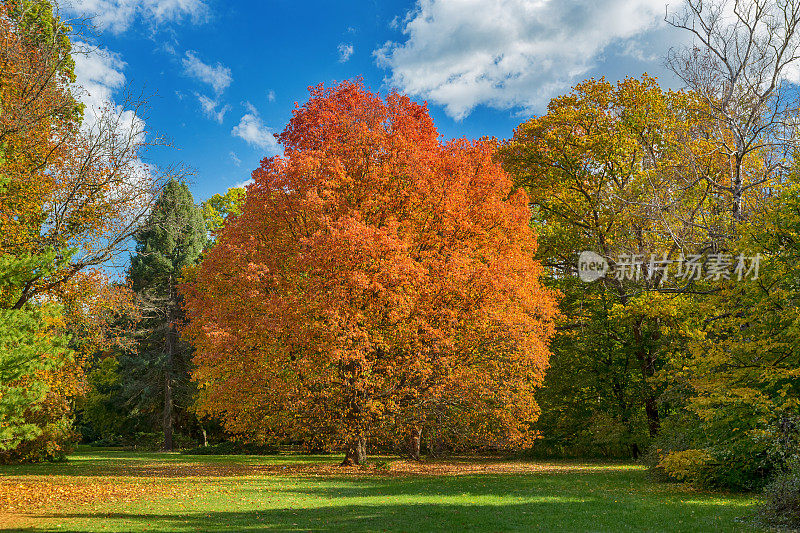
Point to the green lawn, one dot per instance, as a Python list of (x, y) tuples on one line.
[(126, 491)]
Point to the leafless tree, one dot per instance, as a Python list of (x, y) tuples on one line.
[(744, 64)]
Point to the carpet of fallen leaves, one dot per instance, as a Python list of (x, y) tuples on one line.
[(432, 468), (22, 497), (17, 495), (129, 480)]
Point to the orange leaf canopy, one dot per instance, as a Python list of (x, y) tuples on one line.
[(375, 278)]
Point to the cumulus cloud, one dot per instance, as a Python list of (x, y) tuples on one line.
[(117, 16), (345, 51), (210, 109), (99, 74), (98, 77), (217, 76), (253, 130), (99, 85), (509, 53)]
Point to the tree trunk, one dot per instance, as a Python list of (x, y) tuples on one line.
[(415, 442), (635, 452), (356, 452), (647, 365), (435, 446), (651, 410), (167, 414), (736, 190)]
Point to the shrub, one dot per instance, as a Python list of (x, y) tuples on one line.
[(711, 455), (781, 505), (232, 448)]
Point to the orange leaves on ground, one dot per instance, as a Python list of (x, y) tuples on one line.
[(377, 279), (25, 496), (22, 498)]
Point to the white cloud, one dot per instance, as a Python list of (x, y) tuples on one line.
[(98, 76), (217, 76), (271, 95), (235, 158), (210, 107), (253, 130), (117, 16), (99, 81), (243, 184), (510, 53), (98, 72), (345, 51)]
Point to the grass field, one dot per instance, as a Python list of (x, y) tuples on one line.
[(105, 490)]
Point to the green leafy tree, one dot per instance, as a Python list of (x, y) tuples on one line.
[(156, 377), (591, 398), (103, 414), (607, 170), (740, 420), (71, 196), (737, 384), (220, 206), (39, 374)]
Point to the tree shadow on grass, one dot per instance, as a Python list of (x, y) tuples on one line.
[(556, 515), (464, 503)]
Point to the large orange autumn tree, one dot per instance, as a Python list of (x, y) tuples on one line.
[(379, 285)]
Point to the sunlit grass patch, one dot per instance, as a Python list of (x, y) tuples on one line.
[(312, 493)]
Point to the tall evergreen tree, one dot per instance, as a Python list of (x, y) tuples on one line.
[(33, 352), (171, 240)]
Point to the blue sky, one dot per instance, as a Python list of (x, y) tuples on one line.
[(225, 75)]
